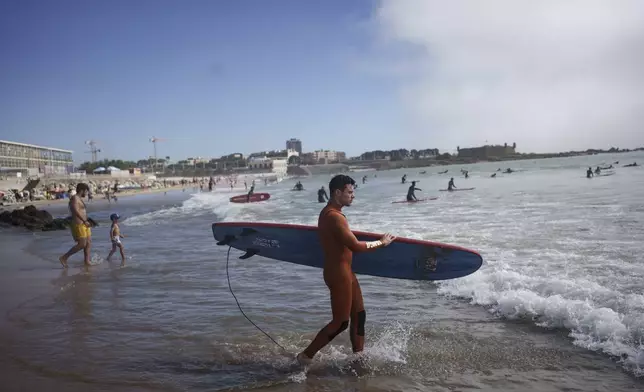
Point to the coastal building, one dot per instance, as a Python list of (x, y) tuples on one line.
[(294, 144), (196, 161), (329, 156), (32, 160), (487, 151), (275, 165)]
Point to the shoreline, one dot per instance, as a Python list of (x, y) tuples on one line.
[(57, 202), (40, 204)]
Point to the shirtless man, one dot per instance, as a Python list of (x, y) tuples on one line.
[(80, 225), (339, 243)]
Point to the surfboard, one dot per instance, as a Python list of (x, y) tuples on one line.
[(414, 201), (255, 197), (601, 175), (457, 189), (405, 258)]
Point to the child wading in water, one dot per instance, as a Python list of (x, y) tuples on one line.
[(115, 237)]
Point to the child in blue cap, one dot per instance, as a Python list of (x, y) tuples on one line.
[(115, 237)]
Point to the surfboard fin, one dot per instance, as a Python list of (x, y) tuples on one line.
[(227, 240), (249, 253)]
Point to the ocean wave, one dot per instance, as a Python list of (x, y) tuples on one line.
[(599, 318)]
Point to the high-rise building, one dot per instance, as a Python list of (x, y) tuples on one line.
[(294, 144)]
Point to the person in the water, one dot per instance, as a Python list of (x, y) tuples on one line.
[(410, 193), (598, 170), (322, 196), (451, 185), (250, 192), (404, 178), (299, 186), (589, 172)]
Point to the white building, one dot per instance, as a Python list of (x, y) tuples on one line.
[(34, 160), (280, 166), (274, 165), (260, 163), (326, 156)]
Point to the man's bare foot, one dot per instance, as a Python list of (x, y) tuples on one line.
[(63, 261)]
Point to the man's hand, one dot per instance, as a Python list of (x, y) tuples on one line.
[(387, 239)]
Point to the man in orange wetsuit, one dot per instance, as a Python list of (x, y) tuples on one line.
[(338, 244)]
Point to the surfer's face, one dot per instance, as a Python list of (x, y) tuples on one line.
[(346, 196)]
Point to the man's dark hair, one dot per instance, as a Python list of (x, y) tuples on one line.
[(82, 187), (339, 182)]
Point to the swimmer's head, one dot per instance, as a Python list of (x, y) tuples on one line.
[(341, 189), (114, 217)]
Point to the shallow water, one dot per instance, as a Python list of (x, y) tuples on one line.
[(557, 306)]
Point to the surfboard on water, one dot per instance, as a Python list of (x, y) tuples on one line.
[(601, 175), (414, 201), (457, 189), (405, 258), (255, 197)]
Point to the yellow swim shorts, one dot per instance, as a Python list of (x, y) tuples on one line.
[(80, 231)]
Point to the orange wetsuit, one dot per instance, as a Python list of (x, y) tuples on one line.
[(338, 244)]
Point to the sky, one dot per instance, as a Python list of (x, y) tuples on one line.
[(210, 78)]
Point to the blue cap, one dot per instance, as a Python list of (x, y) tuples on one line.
[(114, 217)]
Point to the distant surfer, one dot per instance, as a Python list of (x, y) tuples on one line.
[(450, 185), (338, 244), (589, 172), (298, 186), (322, 196), (404, 178), (80, 226), (250, 192), (410, 193)]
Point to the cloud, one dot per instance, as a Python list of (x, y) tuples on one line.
[(548, 75)]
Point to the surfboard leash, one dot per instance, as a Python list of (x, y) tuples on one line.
[(239, 306)]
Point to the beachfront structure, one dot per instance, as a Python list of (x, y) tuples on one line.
[(329, 156), (273, 163), (486, 152), (32, 160)]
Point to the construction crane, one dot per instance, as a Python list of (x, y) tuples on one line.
[(154, 141), (93, 150)]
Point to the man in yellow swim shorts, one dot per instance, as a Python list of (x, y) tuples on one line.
[(80, 225)]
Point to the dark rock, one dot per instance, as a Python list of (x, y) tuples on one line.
[(5, 217), (34, 219)]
